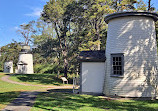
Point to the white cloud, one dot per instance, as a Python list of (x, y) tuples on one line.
[(16, 28), (36, 12)]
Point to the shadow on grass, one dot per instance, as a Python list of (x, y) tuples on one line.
[(7, 97), (46, 79), (66, 101), (60, 90)]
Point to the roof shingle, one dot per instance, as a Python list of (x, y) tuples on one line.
[(92, 56)]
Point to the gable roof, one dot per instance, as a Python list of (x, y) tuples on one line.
[(92, 56)]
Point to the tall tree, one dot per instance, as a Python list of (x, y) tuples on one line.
[(53, 12), (90, 26)]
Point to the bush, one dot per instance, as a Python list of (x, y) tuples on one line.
[(38, 68), (47, 68)]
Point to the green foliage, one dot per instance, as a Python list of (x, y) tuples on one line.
[(140, 5), (56, 13), (123, 5), (38, 68), (46, 57), (46, 68), (94, 26), (10, 52)]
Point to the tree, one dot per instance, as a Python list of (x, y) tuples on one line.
[(140, 5), (53, 12), (123, 5), (94, 26), (10, 52), (27, 30)]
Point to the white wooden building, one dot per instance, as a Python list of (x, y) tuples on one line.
[(92, 70), (131, 55), (8, 67)]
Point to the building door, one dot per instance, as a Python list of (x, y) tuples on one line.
[(92, 77)]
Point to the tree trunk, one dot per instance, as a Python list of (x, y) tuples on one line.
[(98, 43), (58, 73), (149, 6), (65, 67), (63, 47), (97, 34), (65, 63)]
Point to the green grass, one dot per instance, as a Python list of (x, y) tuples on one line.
[(8, 87), (10, 91), (40, 79), (57, 101)]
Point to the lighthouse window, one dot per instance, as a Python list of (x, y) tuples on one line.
[(117, 64)]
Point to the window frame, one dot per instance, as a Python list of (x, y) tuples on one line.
[(122, 64)]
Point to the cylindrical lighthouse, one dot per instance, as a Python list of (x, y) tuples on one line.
[(25, 62), (131, 54)]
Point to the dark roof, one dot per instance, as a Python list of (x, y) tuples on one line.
[(133, 13), (22, 63), (92, 56)]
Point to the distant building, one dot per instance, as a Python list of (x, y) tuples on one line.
[(8, 67), (25, 62)]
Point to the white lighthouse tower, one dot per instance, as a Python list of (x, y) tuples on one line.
[(25, 62), (131, 54)]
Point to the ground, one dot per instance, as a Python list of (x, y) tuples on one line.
[(53, 98)]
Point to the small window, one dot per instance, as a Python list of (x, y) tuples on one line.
[(117, 64)]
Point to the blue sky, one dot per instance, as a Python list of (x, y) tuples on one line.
[(16, 12)]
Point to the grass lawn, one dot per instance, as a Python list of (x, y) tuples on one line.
[(40, 79), (57, 101), (9, 91), (61, 101)]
